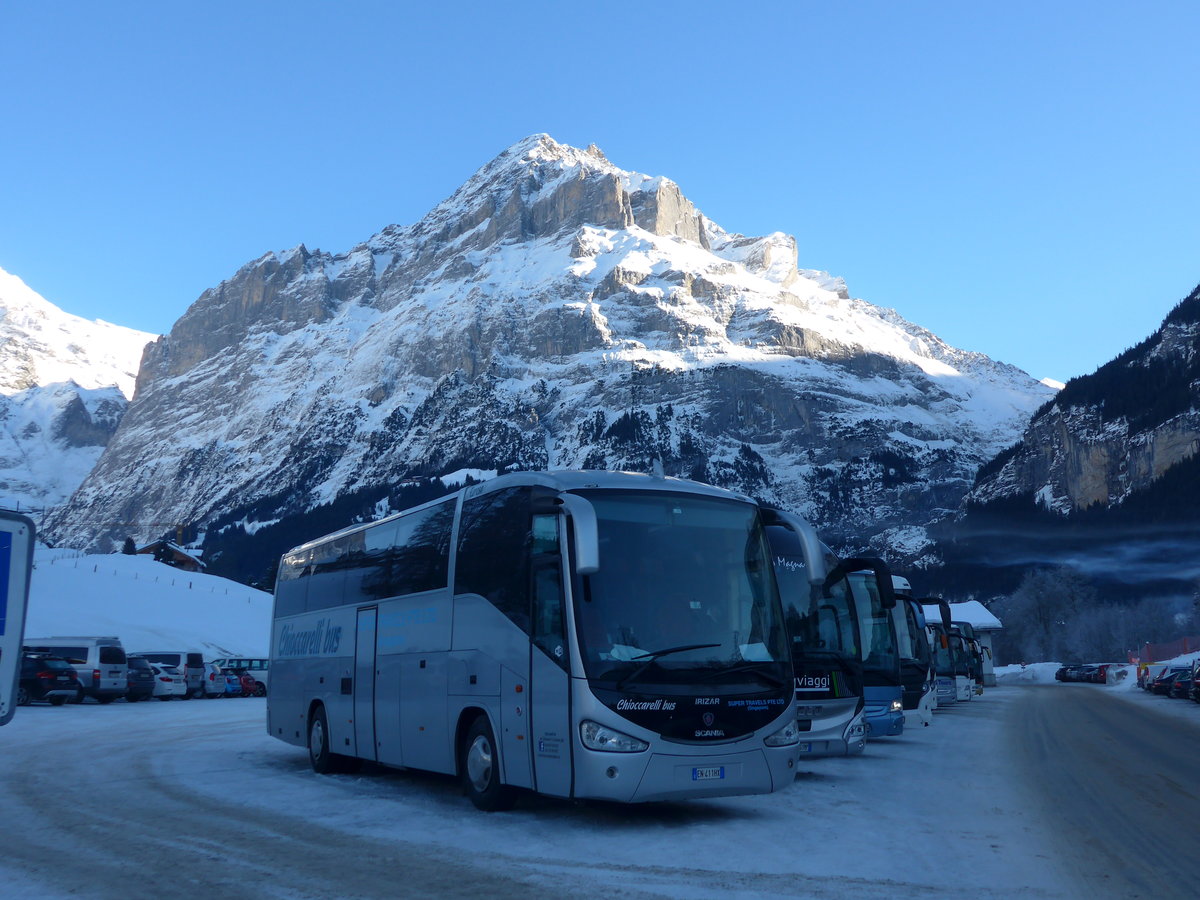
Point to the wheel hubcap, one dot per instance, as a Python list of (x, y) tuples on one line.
[(479, 763), (316, 739)]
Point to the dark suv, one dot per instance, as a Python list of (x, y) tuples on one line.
[(46, 678), (140, 679)]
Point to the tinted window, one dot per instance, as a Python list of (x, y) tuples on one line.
[(138, 663), (403, 556), (291, 587), (168, 659), (112, 656), (195, 659), (327, 571), (493, 551), (549, 631), (77, 655)]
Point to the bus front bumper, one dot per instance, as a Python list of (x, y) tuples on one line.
[(883, 721), (946, 692), (831, 728), (661, 774)]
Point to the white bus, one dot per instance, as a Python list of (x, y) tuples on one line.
[(579, 634)]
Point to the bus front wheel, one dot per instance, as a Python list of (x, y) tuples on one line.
[(481, 769)]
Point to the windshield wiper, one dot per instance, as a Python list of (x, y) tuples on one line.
[(654, 655), (754, 667)]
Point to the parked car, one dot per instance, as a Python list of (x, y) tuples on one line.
[(190, 664), (169, 682), (1075, 673), (258, 667), (1163, 683), (214, 681), (250, 686), (140, 679), (1181, 687), (46, 678), (1152, 672), (233, 684), (99, 664)]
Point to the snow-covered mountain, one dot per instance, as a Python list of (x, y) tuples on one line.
[(64, 384), (555, 311)]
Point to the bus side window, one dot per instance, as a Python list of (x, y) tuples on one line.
[(548, 631), (494, 542)]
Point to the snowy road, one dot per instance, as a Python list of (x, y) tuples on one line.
[(1120, 778), (152, 798)]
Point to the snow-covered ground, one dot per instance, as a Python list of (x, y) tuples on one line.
[(1122, 684), (932, 813), (147, 604)]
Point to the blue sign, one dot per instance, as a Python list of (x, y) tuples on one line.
[(5, 564)]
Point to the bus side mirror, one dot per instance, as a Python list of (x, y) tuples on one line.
[(883, 576), (586, 531), (942, 605)]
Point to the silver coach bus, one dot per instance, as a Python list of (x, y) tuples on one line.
[(580, 634)]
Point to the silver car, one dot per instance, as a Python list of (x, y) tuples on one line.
[(99, 663)]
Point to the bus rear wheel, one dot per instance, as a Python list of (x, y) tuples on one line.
[(481, 769)]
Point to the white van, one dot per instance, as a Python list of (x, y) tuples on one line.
[(99, 663), (190, 664), (258, 668)]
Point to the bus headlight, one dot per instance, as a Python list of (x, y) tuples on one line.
[(897, 706), (788, 734), (600, 737), (855, 730)]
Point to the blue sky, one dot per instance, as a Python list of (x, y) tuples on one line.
[(1020, 178)]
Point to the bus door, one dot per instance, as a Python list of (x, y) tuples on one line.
[(364, 684), (550, 688)]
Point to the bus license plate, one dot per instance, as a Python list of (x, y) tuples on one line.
[(806, 748), (707, 773)]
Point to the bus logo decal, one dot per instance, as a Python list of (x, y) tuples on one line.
[(324, 638)]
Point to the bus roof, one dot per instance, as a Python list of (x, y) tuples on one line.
[(559, 480)]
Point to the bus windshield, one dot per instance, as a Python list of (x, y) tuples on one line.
[(910, 634), (685, 593), (943, 655), (879, 656), (960, 654), (818, 625)]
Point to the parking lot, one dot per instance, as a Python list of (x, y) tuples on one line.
[(105, 801)]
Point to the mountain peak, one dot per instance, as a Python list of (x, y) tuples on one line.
[(45, 345)]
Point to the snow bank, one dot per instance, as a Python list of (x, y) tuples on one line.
[(1033, 673), (148, 605)]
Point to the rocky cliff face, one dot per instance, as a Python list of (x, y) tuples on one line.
[(1111, 434), (1105, 480), (554, 312)]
